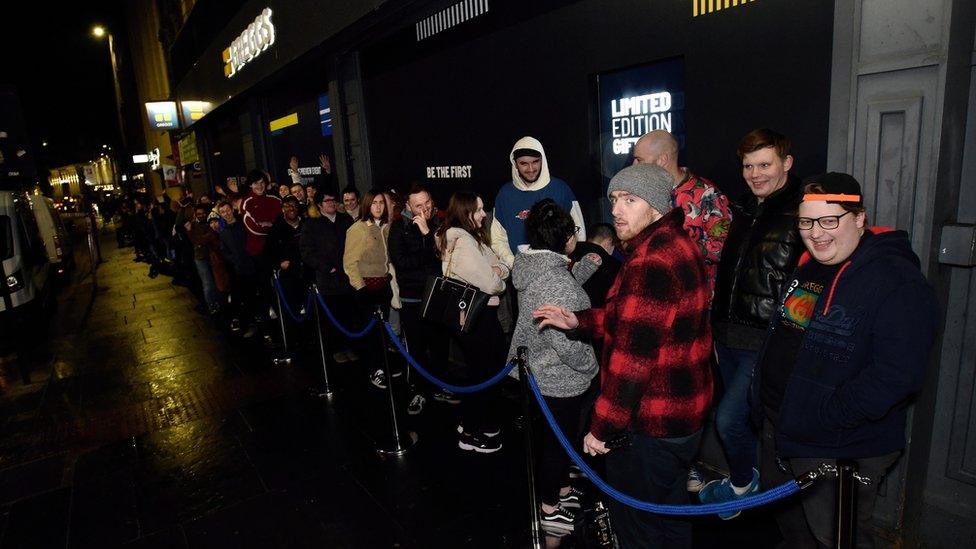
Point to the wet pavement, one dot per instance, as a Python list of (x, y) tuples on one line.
[(147, 425)]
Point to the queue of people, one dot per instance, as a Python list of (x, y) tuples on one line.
[(802, 327)]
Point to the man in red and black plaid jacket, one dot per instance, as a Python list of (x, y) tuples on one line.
[(656, 385)]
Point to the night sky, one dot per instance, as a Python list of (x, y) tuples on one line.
[(63, 75)]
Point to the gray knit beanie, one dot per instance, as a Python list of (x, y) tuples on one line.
[(648, 181)]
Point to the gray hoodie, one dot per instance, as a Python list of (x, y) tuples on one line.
[(562, 367)]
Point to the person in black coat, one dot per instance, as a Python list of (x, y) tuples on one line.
[(845, 354), (601, 242), (761, 252), (244, 281), (283, 252), (414, 256), (322, 246)]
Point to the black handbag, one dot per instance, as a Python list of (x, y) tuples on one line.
[(452, 303)]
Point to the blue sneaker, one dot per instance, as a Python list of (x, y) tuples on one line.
[(720, 491)]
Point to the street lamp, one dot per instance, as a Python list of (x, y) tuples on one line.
[(99, 31)]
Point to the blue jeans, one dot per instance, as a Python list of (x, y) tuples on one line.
[(732, 415), (207, 281), (656, 470)]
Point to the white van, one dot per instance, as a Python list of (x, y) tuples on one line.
[(24, 267), (56, 239)]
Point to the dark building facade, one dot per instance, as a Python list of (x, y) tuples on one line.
[(438, 91)]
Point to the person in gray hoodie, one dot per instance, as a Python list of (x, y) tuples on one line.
[(564, 368)]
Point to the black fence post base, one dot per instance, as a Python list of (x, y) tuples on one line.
[(399, 446), (535, 531)]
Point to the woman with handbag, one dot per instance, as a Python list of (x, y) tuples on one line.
[(365, 261), (466, 256)]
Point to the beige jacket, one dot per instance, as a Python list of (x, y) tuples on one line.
[(466, 260), (365, 255)]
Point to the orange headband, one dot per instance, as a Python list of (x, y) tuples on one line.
[(832, 197)]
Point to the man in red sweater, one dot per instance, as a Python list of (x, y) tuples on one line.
[(259, 211), (656, 385)]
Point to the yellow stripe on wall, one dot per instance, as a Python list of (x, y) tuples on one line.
[(702, 7), (284, 122)]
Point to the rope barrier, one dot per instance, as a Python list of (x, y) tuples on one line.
[(340, 327), (446, 386), (287, 307), (769, 496), (783, 491)]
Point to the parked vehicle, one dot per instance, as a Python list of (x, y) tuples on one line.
[(57, 240), (26, 291)]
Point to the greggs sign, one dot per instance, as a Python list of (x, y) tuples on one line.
[(257, 37)]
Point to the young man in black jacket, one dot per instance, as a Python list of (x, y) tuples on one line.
[(760, 253), (243, 272), (283, 252), (414, 257), (322, 245)]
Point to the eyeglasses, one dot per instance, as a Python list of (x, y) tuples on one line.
[(827, 222)]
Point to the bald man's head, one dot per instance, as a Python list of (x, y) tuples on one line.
[(657, 147)]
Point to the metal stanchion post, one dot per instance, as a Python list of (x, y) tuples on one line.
[(523, 367), (318, 329), (846, 504), (281, 319), (398, 448)]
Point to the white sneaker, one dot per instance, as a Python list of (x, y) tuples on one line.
[(416, 404), (378, 379)]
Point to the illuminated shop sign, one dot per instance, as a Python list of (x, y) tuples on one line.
[(256, 38), (632, 117), (325, 115), (194, 110), (635, 101), (162, 115)]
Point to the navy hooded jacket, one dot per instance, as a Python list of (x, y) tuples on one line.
[(862, 357)]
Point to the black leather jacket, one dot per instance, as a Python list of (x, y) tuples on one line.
[(760, 253)]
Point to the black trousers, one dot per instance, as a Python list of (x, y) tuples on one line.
[(427, 342), (809, 519), (651, 469), (485, 352), (370, 347), (553, 461), (343, 308)]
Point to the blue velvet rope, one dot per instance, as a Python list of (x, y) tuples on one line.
[(769, 496), (446, 386), (340, 327), (287, 307)]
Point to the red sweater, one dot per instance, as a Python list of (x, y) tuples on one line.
[(656, 378), (259, 214)]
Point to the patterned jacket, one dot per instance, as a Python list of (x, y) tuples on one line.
[(707, 218), (657, 351)]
